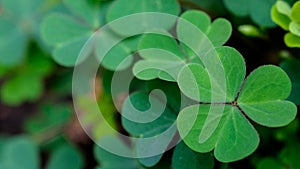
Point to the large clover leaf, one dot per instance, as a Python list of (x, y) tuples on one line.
[(223, 126), (163, 57)]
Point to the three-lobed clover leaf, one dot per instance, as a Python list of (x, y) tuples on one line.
[(76, 37), (288, 18), (223, 126), (72, 33), (163, 57)]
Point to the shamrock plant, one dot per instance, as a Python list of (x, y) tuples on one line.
[(259, 98), (226, 100), (166, 65), (89, 18), (288, 18)]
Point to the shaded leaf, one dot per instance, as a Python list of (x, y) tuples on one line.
[(184, 157), (66, 157)]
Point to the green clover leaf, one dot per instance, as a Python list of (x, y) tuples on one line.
[(76, 36), (163, 57), (26, 83), (117, 11), (288, 18), (152, 118), (70, 33), (51, 117), (260, 98)]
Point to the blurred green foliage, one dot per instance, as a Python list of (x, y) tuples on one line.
[(40, 41)]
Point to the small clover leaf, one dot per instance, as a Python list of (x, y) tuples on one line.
[(70, 34), (26, 84), (163, 57), (229, 133), (51, 116), (74, 37), (280, 13), (288, 18), (258, 10)]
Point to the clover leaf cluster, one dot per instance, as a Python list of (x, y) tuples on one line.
[(288, 18)]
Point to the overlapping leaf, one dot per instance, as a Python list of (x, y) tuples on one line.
[(109, 160), (26, 84), (70, 33), (289, 19), (184, 157), (145, 21), (222, 125), (151, 118), (163, 57), (51, 117), (258, 10), (18, 24)]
